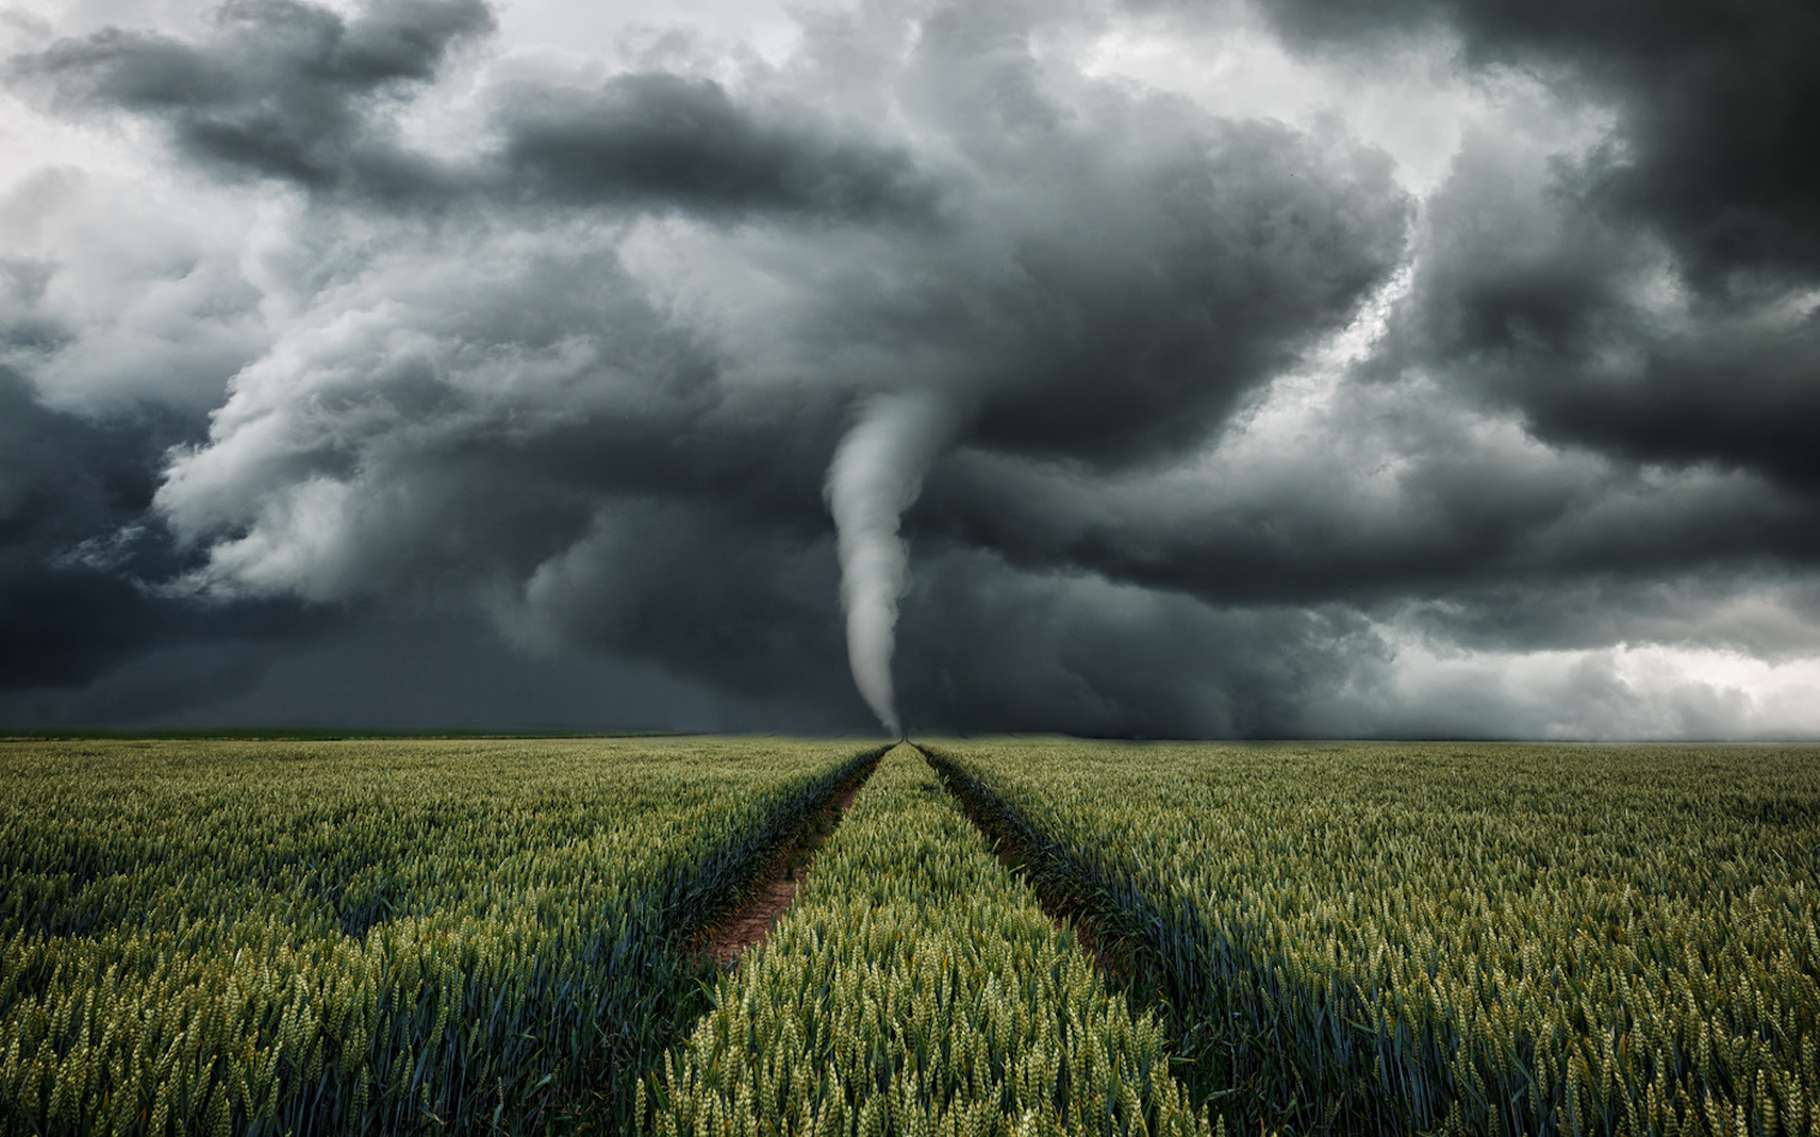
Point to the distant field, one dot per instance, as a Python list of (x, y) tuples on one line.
[(477, 935)]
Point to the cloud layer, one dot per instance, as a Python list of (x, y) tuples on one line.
[(333, 321)]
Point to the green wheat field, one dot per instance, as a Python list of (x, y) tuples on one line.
[(1002, 936)]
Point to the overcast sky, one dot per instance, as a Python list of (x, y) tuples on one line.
[(1448, 368)]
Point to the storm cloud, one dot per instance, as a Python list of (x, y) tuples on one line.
[(327, 331)]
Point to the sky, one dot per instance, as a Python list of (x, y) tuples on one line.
[(1430, 368)]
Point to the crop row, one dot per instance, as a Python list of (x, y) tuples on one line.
[(1385, 940), (916, 987), (363, 937)]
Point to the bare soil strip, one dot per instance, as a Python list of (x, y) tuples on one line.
[(1009, 848), (750, 921)]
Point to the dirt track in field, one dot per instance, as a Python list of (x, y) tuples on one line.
[(1011, 853), (749, 923)]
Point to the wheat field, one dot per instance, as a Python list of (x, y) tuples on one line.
[(998, 936)]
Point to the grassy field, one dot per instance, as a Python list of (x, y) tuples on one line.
[(492, 935), (364, 937), (1485, 939), (916, 987)]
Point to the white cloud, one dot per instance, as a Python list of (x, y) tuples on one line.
[(1627, 692)]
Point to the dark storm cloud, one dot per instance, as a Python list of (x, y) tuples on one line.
[(550, 439), (1439, 527), (284, 89), (1736, 399), (1718, 104), (74, 533), (65, 623), (1529, 298), (77, 536), (674, 142), (394, 670), (1727, 392), (701, 591), (294, 92), (598, 411), (1707, 188), (1074, 653), (1134, 265)]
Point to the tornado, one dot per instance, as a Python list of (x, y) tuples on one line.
[(876, 475)]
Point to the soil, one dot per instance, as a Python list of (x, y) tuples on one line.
[(1010, 851), (751, 920)]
